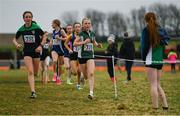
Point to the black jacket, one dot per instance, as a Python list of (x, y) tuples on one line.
[(127, 50), (112, 50)]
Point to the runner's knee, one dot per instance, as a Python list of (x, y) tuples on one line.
[(30, 73), (90, 74)]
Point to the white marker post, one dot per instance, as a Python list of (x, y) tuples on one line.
[(115, 86)]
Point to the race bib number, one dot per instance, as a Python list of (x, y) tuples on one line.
[(55, 42), (29, 38), (46, 46), (88, 47)]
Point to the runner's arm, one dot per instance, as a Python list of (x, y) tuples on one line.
[(67, 41), (77, 41), (18, 34), (64, 35), (99, 45)]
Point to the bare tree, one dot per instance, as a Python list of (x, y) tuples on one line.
[(141, 13), (174, 18), (134, 19), (102, 18), (98, 19), (161, 11), (116, 23), (69, 17)]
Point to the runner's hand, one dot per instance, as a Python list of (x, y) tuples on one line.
[(57, 37), (18, 46), (99, 45), (39, 49), (87, 41), (70, 51)]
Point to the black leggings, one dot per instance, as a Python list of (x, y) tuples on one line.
[(128, 65), (110, 68), (173, 67)]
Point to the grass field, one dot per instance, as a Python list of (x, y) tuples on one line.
[(133, 98)]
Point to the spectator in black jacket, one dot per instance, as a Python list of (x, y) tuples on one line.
[(127, 51), (112, 50)]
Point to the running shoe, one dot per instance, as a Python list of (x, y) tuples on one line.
[(113, 79), (79, 87), (58, 81), (90, 97), (69, 82), (33, 95)]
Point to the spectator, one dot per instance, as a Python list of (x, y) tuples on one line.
[(111, 51), (153, 41), (127, 51), (172, 57)]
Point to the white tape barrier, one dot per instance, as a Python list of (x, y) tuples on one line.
[(140, 61)]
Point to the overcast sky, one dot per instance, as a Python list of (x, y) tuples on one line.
[(46, 10)]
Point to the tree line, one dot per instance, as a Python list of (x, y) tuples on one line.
[(117, 22)]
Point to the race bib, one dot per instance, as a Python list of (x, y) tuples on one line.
[(55, 42), (29, 38), (75, 49), (88, 47), (46, 46)]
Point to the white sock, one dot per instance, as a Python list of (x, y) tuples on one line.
[(91, 93), (91, 85)]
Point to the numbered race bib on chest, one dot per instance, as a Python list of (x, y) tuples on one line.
[(29, 38), (88, 47), (46, 46), (55, 42)]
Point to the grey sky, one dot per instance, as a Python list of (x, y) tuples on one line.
[(46, 10)]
